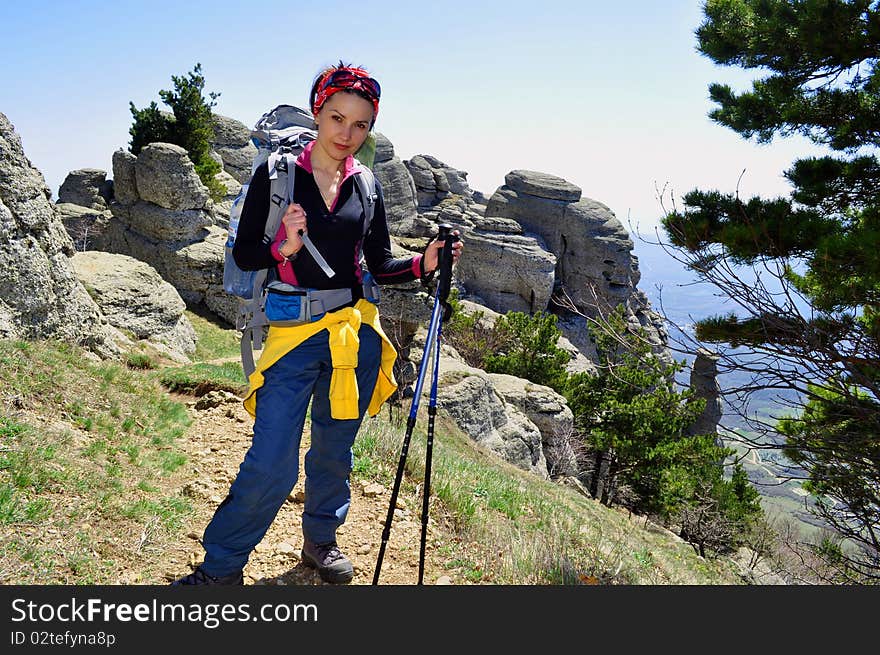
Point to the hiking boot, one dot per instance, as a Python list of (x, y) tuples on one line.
[(332, 565), (200, 577)]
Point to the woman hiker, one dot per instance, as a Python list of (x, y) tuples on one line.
[(341, 361)]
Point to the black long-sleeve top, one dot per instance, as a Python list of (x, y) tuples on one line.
[(336, 234)]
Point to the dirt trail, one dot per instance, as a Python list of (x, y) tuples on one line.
[(215, 446)]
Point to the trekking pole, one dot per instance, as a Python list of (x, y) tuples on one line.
[(443, 286), (445, 234)]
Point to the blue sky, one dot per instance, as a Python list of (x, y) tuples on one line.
[(610, 96)]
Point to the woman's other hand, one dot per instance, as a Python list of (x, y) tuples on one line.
[(432, 253)]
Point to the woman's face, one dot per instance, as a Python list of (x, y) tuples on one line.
[(343, 124)]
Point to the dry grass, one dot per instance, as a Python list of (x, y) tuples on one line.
[(95, 459)]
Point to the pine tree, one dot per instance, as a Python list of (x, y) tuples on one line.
[(190, 128), (529, 349), (635, 421), (811, 317)]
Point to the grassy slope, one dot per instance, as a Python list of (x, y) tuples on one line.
[(86, 446)]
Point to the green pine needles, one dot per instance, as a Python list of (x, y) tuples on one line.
[(190, 126), (809, 308)]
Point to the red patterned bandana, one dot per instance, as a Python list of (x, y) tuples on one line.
[(347, 77)]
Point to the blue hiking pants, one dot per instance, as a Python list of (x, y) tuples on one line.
[(271, 466)]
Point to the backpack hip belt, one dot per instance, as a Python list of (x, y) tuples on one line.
[(285, 304)]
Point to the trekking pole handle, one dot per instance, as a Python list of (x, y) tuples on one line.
[(444, 283)]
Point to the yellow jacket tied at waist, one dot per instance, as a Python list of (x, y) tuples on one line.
[(343, 326)]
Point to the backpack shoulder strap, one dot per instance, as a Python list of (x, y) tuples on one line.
[(366, 185), (281, 183)]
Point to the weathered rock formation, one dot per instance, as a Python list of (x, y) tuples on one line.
[(550, 413), (469, 397), (398, 189), (135, 299), (87, 187), (704, 384), (233, 144), (163, 215), (525, 424), (595, 269), (40, 296), (434, 180)]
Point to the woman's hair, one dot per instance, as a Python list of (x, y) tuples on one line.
[(320, 77)]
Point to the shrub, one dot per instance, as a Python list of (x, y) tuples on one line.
[(530, 349), (139, 361), (470, 335), (191, 126)]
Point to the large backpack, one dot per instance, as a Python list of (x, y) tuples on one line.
[(280, 135)]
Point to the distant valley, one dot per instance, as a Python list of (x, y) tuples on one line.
[(673, 292)]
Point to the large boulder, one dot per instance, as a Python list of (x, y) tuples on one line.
[(550, 413), (398, 188), (166, 176), (194, 265), (470, 399), (232, 143), (134, 298), (87, 187), (40, 295)]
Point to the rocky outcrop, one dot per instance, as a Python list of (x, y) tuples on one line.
[(434, 180), (549, 412), (398, 189), (163, 215), (593, 251), (506, 271), (440, 195), (468, 396), (704, 384), (525, 424), (87, 187), (232, 143), (595, 269), (40, 296), (166, 176), (135, 298)]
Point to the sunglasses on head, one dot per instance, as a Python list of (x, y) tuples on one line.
[(346, 79)]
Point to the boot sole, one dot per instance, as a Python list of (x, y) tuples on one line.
[(333, 577)]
